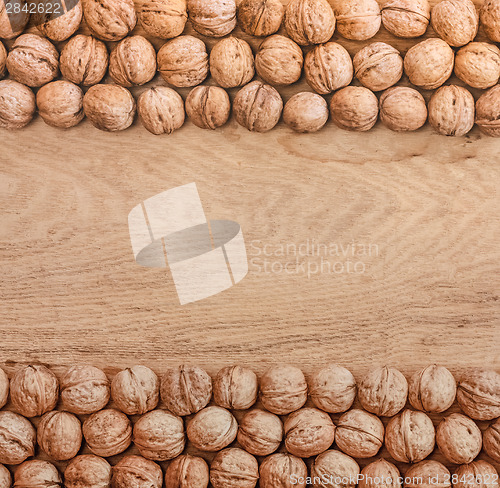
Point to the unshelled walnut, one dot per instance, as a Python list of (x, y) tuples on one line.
[(403, 109), (488, 120), (478, 474), (455, 21), (110, 108), (208, 107), (13, 25), (356, 108), (164, 19), (383, 391), (338, 468), (234, 468), (59, 435), (258, 107), (490, 19), (60, 27), (36, 473), (459, 438), (4, 379), (17, 442), (282, 470), (213, 18), (279, 61), (5, 477), (231, 62), (212, 429), (359, 434), (332, 388), (34, 390), (107, 432), (428, 474), (138, 472), (380, 474), (183, 61), (186, 390), (308, 432), (235, 387), (478, 64), (306, 112), (88, 471), (406, 18), (187, 472), (3, 60), (378, 66), (260, 433), (161, 110), (491, 441), (133, 62), (328, 67), (433, 388), (110, 20), (84, 390), (309, 21), (33, 60), (429, 63), (357, 19), (260, 17)]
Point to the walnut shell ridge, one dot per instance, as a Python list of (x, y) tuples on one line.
[(406, 18), (110, 20)]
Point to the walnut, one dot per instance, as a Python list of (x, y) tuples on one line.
[(432, 389), (133, 62), (17, 442), (183, 61), (357, 19), (187, 472), (3, 60), (234, 468), (378, 66), (383, 391), (84, 390), (429, 63), (33, 60), (340, 470), (478, 474), (478, 64), (260, 433), (333, 389), (87, 471), (110, 20), (328, 67), (459, 438), (231, 62), (12, 25), (355, 108), (428, 474), (488, 120), (186, 390), (236, 388), (35, 474), (4, 379), (213, 18), (258, 107), (279, 61), (109, 107), (17, 105), (137, 472), (490, 19), (5, 477), (260, 17), (359, 434), (212, 429), (306, 112), (406, 18), (309, 21), (284, 471), (380, 474), (161, 110), (455, 21), (60, 27), (60, 435), (491, 441), (165, 19), (402, 109), (208, 107), (107, 432)]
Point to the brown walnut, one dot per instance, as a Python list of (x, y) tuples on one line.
[(333, 389), (478, 474), (164, 19), (17, 442), (110, 20), (356, 108), (357, 19), (11, 25), (455, 21), (427, 474), (406, 18), (59, 27), (60, 435), (491, 441), (335, 465), (88, 471), (235, 387), (4, 379), (17, 107), (213, 18), (3, 60), (480, 394), (403, 109), (36, 474), (478, 64), (234, 468), (380, 474), (490, 19), (138, 472), (282, 470), (208, 107), (260, 17), (306, 112), (5, 477), (187, 472), (260, 433)]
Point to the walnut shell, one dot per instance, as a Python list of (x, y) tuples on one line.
[(17, 106), (260, 17), (332, 389), (59, 27), (427, 474), (165, 19), (354, 108), (59, 435), (402, 109), (12, 25), (212, 429), (186, 390), (183, 61), (459, 438), (284, 471), (455, 21), (432, 389), (340, 470), (5, 477), (33, 60), (107, 432), (306, 112), (213, 18), (491, 441), (137, 472), (488, 120), (133, 62), (231, 62), (187, 472), (378, 66), (490, 19), (3, 60), (36, 474), (429, 63), (359, 434), (234, 468), (235, 388), (283, 389), (328, 67), (4, 379), (478, 64), (260, 433), (161, 110), (380, 474), (88, 471), (357, 19), (110, 20), (17, 442), (258, 107), (208, 107), (383, 391), (478, 474), (406, 18), (309, 21)]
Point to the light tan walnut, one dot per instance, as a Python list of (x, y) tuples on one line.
[(213, 18), (491, 441), (208, 107), (380, 474), (488, 120), (455, 21), (138, 472), (428, 474), (260, 433), (231, 62), (5, 477), (59, 435), (235, 387), (402, 109), (282, 470), (478, 64), (164, 19), (36, 473), (357, 19), (332, 389), (490, 19), (187, 472), (88, 471), (478, 474), (336, 466), (110, 20), (4, 383), (234, 468), (260, 17), (17, 442), (356, 108), (60, 27), (306, 112), (17, 107), (406, 18), (12, 25), (3, 60)]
